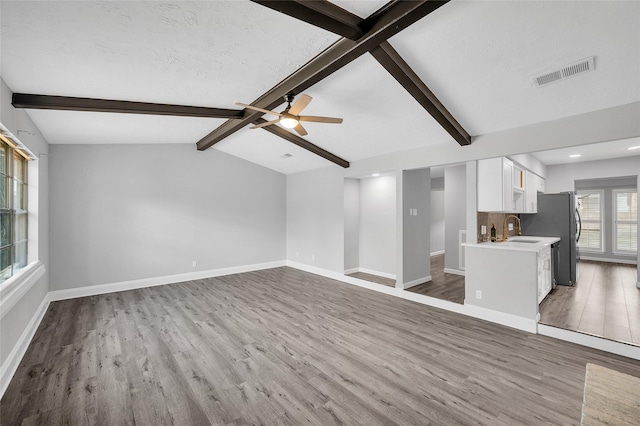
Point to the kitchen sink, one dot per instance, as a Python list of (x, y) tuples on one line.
[(525, 241)]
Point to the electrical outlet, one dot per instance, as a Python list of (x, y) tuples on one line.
[(483, 229), (479, 294), (193, 264), (511, 227)]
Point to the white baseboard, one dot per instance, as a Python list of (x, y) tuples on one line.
[(339, 277), (370, 272), (72, 293), (435, 253), (618, 348), (513, 321), (416, 282), (630, 261), (378, 273), (454, 271), (11, 363), (508, 320)]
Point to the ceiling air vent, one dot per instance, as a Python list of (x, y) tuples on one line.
[(570, 70), (287, 155)]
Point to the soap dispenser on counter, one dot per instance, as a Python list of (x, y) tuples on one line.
[(493, 233)]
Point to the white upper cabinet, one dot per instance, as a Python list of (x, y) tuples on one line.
[(531, 192), (495, 182), (534, 185), (504, 186)]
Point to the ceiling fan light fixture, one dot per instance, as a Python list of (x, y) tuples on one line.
[(288, 122)]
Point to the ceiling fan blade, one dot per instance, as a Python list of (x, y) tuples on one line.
[(267, 123), (300, 104), (317, 119), (301, 131), (266, 111)]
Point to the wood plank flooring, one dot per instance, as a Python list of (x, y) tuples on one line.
[(443, 285), (286, 347), (373, 278), (604, 302)]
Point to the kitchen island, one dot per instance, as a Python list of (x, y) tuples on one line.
[(511, 277)]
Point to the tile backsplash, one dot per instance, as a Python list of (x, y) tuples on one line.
[(496, 219)]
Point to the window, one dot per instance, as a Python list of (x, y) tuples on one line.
[(13, 210), (590, 209), (625, 226)]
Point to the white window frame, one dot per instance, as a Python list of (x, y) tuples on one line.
[(614, 221), (15, 287), (602, 224)]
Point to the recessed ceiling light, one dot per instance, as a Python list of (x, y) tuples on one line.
[(375, 175), (634, 147), (574, 156)]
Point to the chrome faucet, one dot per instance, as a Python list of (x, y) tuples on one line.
[(504, 226)]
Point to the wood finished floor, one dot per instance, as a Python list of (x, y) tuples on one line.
[(283, 346), (443, 285), (373, 278), (604, 302)]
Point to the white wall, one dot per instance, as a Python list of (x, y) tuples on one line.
[(610, 124), (121, 213), (351, 224), (562, 177), (455, 211), (15, 331), (315, 218), (530, 162), (416, 190), (378, 224), (325, 187), (437, 220)]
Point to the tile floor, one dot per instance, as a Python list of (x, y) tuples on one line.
[(605, 302)]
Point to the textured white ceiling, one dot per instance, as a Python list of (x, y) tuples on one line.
[(211, 53), (591, 152), (478, 57)]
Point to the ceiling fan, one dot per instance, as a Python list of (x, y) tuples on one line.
[(290, 117)]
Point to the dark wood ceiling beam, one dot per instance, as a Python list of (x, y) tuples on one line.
[(303, 143), (320, 13), (29, 101), (389, 58), (395, 18), (333, 18)]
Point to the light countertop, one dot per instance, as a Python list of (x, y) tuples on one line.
[(519, 243)]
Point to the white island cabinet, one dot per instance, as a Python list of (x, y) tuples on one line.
[(545, 279), (510, 277)]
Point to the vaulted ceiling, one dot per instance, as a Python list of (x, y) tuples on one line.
[(477, 57)]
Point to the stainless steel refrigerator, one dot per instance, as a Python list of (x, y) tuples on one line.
[(557, 217)]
